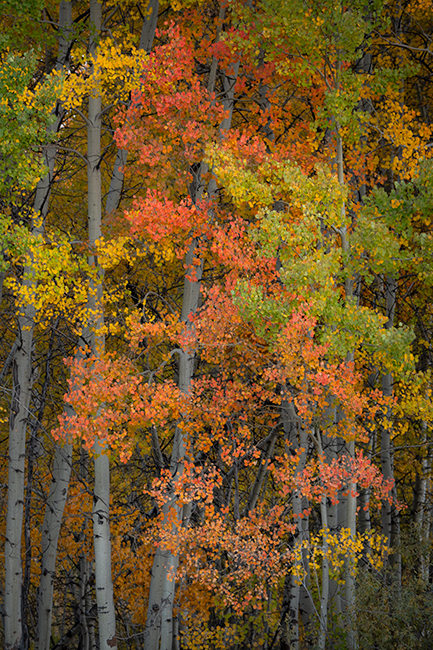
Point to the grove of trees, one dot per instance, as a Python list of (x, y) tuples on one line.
[(216, 290)]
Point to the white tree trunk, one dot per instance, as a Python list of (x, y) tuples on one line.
[(102, 546), (300, 537), (101, 496), (50, 536), (21, 395), (332, 447), (324, 593), (390, 522), (349, 586), (63, 454), (351, 500), (146, 42), (160, 624)]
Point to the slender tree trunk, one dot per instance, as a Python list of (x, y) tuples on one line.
[(101, 495), (306, 603), (31, 458), (324, 595), (389, 514), (332, 447), (102, 545), (351, 500), (87, 633), (349, 586), (420, 508), (50, 535), (364, 516), (160, 622), (323, 588), (261, 475), (63, 454), (21, 396), (159, 626), (146, 43), (298, 439)]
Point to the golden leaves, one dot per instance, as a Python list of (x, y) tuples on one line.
[(113, 74)]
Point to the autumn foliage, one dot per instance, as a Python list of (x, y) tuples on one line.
[(247, 336)]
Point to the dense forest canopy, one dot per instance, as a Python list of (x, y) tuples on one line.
[(216, 280)]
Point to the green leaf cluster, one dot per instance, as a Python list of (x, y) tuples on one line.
[(24, 117)]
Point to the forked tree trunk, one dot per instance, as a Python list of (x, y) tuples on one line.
[(160, 624), (63, 454), (50, 535)]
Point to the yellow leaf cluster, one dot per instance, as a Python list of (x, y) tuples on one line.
[(112, 74)]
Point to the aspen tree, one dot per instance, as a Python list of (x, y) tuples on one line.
[(63, 453), (101, 494), (160, 627), (22, 374), (243, 345)]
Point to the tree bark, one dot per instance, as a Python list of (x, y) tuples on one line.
[(146, 43), (63, 454), (351, 500), (50, 536), (160, 624), (101, 495), (21, 396), (324, 593), (389, 514), (31, 458), (296, 437)]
